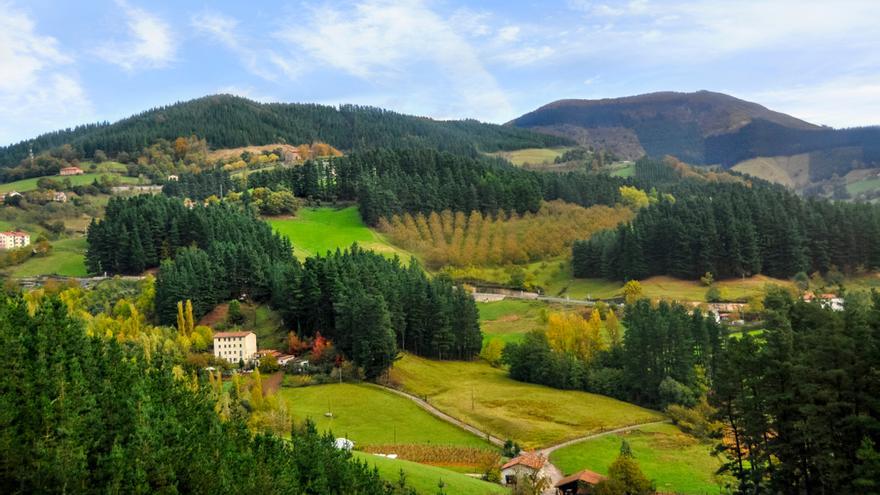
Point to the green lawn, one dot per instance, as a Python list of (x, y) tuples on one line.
[(67, 258), (509, 319), (425, 479), (532, 415), (318, 230), (677, 462), (370, 415), (76, 180)]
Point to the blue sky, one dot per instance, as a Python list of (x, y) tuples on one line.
[(65, 63)]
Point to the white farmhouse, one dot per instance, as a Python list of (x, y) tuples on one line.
[(525, 464), (235, 346)]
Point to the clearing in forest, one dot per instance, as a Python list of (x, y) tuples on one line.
[(314, 231)]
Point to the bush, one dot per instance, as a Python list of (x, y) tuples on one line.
[(674, 392), (697, 420)]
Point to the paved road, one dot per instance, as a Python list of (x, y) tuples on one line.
[(530, 296), (554, 472)]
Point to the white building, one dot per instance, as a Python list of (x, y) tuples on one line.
[(235, 346), (525, 464), (14, 240)]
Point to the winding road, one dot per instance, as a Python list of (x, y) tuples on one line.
[(554, 472)]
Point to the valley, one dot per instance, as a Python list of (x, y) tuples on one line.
[(491, 297)]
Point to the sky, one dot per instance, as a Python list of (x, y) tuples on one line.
[(67, 63)]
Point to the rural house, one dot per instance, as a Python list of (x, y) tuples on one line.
[(525, 464), (832, 301), (71, 171), (235, 346), (60, 197), (14, 239), (581, 483)]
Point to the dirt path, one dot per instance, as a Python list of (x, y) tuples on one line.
[(554, 472), (272, 383)]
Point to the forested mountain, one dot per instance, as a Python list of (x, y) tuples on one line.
[(227, 121), (700, 128)]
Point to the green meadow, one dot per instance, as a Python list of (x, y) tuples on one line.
[(314, 231)]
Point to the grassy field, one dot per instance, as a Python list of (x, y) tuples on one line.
[(370, 415), (76, 180), (533, 156), (555, 278), (678, 463), (509, 319), (623, 169), (863, 185), (530, 414), (318, 230), (67, 258), (425, 479)]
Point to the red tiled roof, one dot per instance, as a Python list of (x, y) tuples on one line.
[(220, 335), (528, 459), (586, 476), (16, 233)]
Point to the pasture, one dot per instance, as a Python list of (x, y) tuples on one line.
[(678, 463), (533, 156), (67, 258), (370, 415), (510, 319), (425, 479), (75, 180), (314, 231), (533, 415)]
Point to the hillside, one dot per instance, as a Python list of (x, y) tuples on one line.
[(227, 121), (704, 128)]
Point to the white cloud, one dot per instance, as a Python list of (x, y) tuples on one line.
[(225, 30), (150, 45), (38, 90), (668, 30), (845, 101), (406, 45)]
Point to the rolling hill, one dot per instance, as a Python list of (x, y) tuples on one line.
[(705, 128), (227, 121)]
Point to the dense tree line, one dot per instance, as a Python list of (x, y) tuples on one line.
[(426, 316), (137, 233), (663, 358), (731, 230), (800, 403), (391, 182), (228, 122), (83, 414)]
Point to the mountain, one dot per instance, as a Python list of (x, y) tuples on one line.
[(227, 121), (704, 128)]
